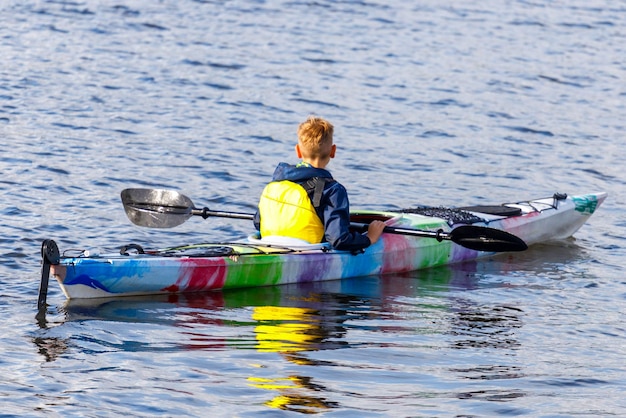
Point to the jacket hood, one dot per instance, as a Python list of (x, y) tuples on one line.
[(290, 172)]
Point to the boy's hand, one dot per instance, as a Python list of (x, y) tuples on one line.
[(375, 230)]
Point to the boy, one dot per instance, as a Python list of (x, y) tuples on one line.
[(303, 201)]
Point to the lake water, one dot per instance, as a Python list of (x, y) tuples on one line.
[(433, 102)]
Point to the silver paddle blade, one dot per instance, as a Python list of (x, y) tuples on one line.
[(155, 208)]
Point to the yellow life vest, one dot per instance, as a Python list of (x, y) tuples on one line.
[(286, 210)]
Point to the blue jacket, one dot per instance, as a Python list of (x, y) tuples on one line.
[(334, 210)]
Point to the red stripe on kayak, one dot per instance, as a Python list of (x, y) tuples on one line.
[(199, 275), (396, 257)]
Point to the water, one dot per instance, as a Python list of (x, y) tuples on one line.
[(433, 103)]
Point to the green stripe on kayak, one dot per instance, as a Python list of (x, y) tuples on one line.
[(266, 270), (586, 203)]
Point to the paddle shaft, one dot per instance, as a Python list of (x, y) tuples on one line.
[(439, 234), (206, 213), (362, 227)]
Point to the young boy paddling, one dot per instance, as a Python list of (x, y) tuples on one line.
[(304, 201)]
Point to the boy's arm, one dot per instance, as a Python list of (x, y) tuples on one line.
[(337, 222)]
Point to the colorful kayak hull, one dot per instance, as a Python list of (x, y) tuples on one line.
[(251, 264)]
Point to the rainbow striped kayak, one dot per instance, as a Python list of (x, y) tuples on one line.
[(254, 262)]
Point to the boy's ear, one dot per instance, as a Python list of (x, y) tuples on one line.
[(332, 151), (298, 152)]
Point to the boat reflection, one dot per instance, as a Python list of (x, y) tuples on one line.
[(292, 321)]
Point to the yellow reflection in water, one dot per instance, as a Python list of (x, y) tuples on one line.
[(275, 334), (288, 330)]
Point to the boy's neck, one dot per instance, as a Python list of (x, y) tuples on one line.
[(317, 162)]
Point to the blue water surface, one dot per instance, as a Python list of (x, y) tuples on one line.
[(433, 102)]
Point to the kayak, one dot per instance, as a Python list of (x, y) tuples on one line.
[(414, 239)]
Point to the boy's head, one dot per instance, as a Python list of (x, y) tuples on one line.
[(315, 139)]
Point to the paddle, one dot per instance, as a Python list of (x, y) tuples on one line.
[(156, 208)]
